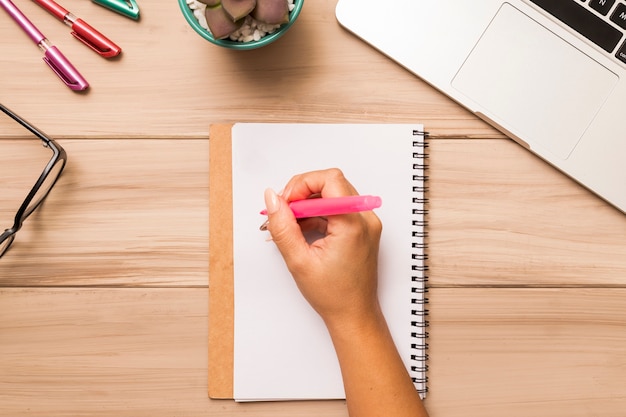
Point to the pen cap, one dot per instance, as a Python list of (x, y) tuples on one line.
[(128, 8), (64, 69), (94, 39)]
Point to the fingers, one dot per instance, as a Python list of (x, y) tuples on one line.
[(326, 183), (310, 225), (284, 228), (290, 235), (323, 183), (332, 259)]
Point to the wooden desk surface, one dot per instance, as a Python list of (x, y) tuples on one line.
[(103, 297)]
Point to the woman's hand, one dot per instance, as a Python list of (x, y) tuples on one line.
[(337, 273)]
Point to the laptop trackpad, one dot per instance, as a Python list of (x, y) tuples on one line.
[(533, 83)]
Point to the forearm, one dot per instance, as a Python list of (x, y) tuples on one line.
[(337, 274), (375, 378)]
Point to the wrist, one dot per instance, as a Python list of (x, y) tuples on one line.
[(358, 324)]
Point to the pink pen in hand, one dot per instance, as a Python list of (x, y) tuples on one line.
[(316, 207)]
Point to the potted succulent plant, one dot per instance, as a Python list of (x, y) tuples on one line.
[(226, 16), (241, 24)]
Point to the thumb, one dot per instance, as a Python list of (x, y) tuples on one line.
[(284, 228)]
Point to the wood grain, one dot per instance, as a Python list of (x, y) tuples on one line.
[(104, 298), (498, 216), (527, 352), (142, 352), (124, 213), (169, 82)]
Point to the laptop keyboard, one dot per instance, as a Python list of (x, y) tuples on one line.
[(603, 22)]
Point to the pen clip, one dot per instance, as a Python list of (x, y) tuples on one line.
[(64, 69), (128, 8), (94, 39)]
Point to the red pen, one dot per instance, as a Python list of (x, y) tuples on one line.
[(82, 31)]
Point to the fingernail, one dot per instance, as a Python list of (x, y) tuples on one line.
[(272, 203)]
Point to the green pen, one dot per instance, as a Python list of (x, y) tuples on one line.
[(128, 8)]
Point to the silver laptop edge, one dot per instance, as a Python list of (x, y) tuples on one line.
[(551, 90)]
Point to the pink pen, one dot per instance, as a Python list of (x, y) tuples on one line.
[(316, 207), (52, 56)]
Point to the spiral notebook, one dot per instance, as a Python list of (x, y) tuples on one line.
[(276, 347)]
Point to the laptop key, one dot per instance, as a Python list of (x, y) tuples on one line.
[(583, 21), (619, 15), (602, 6), (621, 53)]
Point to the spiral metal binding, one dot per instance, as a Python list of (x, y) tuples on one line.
[(419, 272)]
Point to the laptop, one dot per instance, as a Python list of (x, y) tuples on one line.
[(550, 74)]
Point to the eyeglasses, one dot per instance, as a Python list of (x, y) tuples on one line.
[(42, 187)]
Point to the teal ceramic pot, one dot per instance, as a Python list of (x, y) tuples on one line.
[(230, 44)]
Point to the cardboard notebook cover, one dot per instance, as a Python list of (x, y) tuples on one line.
[(410, 330), (221, 296)]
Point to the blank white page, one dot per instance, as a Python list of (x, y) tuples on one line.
[(282, 350)]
